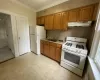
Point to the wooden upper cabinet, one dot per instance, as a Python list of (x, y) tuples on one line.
[(64, 23), (38, 21), (95, 11), (86, 13), (57, 21), (74, 15), (49, 22), (41, 20)]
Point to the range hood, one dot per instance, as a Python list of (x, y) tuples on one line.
[(80, 24)]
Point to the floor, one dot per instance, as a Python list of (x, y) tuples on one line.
[(33, 67), (5, 54)]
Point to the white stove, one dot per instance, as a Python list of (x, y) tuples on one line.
[(74, 54), (78, 48)]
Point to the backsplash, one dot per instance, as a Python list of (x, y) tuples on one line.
[(83, 32)]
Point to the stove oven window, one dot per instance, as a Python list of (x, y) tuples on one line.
[(72, 58)]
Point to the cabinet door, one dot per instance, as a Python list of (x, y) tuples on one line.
[(38, 21), (41, 47), (86, 13), (49, 22), (58, 54), (46, 48), (57, 21), (23, 35), (64, 20), (52, 52), (42, 20), (73, 15)]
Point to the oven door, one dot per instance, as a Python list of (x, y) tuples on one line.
[(73, 59)]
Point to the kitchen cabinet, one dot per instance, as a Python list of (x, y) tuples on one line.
[(57, 21), (58, 52), (86, 13), (41, 47), (49, 22), (41, 20), (74, 15), (64, 23), (38, 21), (46, 49), (51, 50)]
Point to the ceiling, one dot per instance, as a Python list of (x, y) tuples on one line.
[(39, 5)]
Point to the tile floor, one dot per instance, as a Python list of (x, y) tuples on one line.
[(5, 54), (33, 67)]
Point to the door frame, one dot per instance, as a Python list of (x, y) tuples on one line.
[(14, 30)]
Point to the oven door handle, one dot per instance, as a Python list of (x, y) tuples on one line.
[(71, 52)]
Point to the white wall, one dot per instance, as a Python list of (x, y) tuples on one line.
[(11, 6), (3, 36)]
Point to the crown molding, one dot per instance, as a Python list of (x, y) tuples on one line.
[(51, 5), (17, 2)]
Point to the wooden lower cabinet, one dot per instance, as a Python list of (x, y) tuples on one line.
[(58, 54), (51, 50), (46, 50)]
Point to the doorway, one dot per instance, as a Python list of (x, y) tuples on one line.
[(6, 38)]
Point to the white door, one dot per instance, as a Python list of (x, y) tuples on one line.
[(33, 43), (23, 35)]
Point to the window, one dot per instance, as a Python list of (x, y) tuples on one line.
[(97, 56)]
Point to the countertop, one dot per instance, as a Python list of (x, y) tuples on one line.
[(58, 42)]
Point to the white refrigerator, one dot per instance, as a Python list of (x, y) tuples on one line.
[(36, 34)]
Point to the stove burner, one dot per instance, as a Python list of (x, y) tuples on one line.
[(80, 46), (68, 44)]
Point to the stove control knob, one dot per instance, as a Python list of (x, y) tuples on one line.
[(76, 51), (79, 52)]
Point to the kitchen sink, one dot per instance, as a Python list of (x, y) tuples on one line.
[(54, 40)]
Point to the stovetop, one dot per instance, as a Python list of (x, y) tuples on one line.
[(73, 46), (77, 48)]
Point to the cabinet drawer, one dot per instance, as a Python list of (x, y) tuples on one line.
[(46, 42), (53, 44), (59, 46), (42, 41)]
